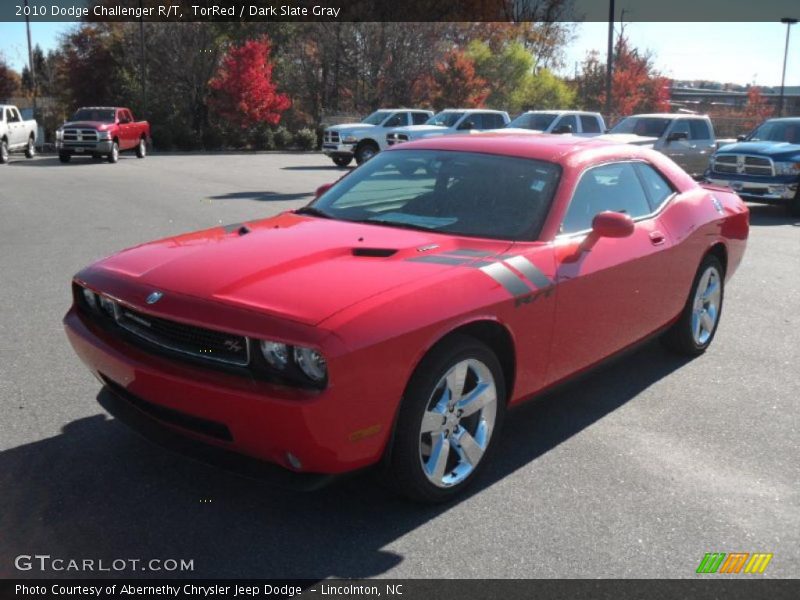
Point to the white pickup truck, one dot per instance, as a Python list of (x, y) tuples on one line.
[(15, 133), (450, 122)]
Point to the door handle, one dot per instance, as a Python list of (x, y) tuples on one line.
[(657, 238)]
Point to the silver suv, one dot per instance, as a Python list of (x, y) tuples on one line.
[(365, 139)]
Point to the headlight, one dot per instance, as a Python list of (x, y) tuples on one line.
[(276, 354), (108, 306), (312, 363), (104, 135), (59, 134), (349, 139), (91, 299), (787, 168)]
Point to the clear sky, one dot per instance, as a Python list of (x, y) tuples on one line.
[(726, 52)]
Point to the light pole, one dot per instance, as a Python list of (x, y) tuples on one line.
[(30, 57), (789, 22), (609, 57)]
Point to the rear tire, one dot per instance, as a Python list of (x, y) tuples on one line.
[(3, 152), (113, 156), (141, 149), (460, 382), (64, 158), (342, 161), (693, 332), (30, 149)]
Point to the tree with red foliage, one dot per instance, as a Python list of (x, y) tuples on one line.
[(453, 83), (757, 108), (242, 91), (9, 81)]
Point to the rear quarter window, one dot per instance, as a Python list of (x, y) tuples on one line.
[(589, 124)]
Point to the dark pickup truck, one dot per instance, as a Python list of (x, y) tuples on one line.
[(102, 131), (763, 166)]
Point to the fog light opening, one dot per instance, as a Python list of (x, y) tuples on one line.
[(293, 461)]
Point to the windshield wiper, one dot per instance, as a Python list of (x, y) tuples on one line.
[(313, 211), (390, 223)]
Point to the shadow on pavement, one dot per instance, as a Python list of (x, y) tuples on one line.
[(318, 168), (762, 215), (97, 490), (263, 196)]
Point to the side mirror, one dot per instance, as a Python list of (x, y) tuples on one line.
[(563, 129), (677, 135), (741, 138), (467, 125), (322, 189), (612, 225)]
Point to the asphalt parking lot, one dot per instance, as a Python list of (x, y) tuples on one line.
[(637, 471)]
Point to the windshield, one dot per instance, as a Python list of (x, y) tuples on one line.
[(644, 126), (777, 131), (537, 121), (377, 117), (445, 119), (459, 193), (104, 115)]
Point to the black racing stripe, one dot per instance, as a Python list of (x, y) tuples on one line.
[(505, 277), (440, 260), (527, 268), (467, 252)]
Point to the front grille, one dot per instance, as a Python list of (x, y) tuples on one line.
[(202, 343), (742, 164), (80, 135), (331, 137)]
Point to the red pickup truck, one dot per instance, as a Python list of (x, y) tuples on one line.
[(102, 131)]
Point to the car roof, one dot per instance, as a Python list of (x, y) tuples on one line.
[(560, 112), (473, 110), (408, 109), (546, 147), (670, 116), (101, 108)]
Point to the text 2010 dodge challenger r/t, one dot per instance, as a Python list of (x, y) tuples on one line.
[(395, 318)]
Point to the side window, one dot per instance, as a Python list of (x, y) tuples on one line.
[(589, 124), (658, 189), (613, 187), (419, 118), (567, 120), (493, 121), (474, 118), (12, 116), (397, 120), (699, 130), (680, 126)]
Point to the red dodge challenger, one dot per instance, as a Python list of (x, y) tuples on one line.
[(397, 317)]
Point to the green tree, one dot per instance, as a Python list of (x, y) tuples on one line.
[(506, 72), (542, 91)]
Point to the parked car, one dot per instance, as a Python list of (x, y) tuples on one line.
[(102, 131), (364, 140), (686, 139), (576, 122), (16, 134), (449, 122), (764, 166), (396, 317)]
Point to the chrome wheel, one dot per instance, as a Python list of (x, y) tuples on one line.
[(706, 306), (458, 423), (141, 151)]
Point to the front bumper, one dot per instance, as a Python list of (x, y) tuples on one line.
[(330, 149), (758, 190), (286, 426), (101, 147)]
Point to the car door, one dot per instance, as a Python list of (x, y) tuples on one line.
[(469, 122), (16, 130), (678, 148), (128, 130), (703, 145), (610, 291)]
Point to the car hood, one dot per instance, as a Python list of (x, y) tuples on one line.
[(99, 125), (628, 138), (776, 150), (350, 127), (301, 268)]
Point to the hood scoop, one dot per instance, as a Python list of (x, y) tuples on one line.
[(374, 252)]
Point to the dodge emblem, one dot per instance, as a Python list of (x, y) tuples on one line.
[(154, 297)]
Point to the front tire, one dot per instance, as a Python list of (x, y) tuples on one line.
[(450, 416), (794, 205), (693, 332), (342, 161), (366, 151), (30, 149), (3, 152), (64, 158), (113, 156), (141, 149)]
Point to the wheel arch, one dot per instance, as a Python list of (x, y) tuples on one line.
[(719, 250)]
